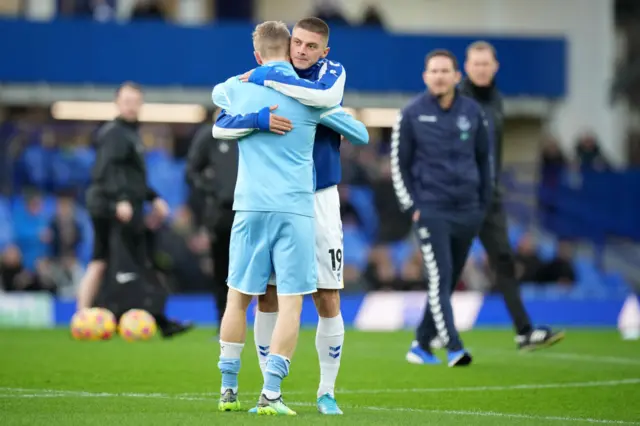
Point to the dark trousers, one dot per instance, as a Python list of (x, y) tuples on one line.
[(130, 282), (220, 254), (445, 240), (495, 239)]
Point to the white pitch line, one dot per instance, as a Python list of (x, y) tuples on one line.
[(532, 386), (50, 393), (498, 388)]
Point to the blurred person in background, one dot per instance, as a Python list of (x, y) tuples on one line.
[(66, 236), (32, 233), (212, 170), (100, 10), (148, 10), (439, 138), (372, 18), (552, 163), (588, 153), (560, 269), (15, 277), (528, 264), (330, 11), (115, 202), (481, 66)]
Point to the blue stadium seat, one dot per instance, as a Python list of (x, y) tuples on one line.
[(167, 178), (85, 249), (5, 208), (6, 233), (361, 198), (401, 252), (356, 247), (19, 206), (515, 232), (531, 290), (586, 272), (477, 251), (546, 249)]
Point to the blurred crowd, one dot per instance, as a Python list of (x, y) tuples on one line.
[(169, 10), (46, 236)]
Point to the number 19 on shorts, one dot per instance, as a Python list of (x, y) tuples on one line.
[(336, 259)]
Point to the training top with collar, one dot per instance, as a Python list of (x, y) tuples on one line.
[(441, 159)]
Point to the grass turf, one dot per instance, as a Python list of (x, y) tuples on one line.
[(48, 379)]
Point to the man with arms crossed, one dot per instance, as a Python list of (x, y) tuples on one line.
[(321, 84), (274, 214)]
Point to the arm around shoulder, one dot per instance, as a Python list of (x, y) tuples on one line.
[(342, 122)]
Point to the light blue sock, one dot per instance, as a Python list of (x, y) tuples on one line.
[(229, 367), (277, 369)]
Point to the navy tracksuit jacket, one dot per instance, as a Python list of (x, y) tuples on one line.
[(441, 165)]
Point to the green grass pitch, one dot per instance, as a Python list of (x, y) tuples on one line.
[(593, 377)]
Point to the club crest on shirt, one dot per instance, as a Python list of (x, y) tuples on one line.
[(464, 125)]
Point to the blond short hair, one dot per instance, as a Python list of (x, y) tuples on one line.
[(271, 39)]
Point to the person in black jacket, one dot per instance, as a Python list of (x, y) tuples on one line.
[(212, 169), (481, 66), (442, 174), (115, 202)]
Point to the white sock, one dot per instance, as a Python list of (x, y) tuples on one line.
[(263, 327), (231, 350), (329, 343)]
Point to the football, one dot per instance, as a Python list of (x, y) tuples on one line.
[(81, 325), (93, 324), (137, 324), (103, 323)]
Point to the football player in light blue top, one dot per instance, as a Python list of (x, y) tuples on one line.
[(273, 230)]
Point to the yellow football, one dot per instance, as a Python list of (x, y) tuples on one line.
[(137, 324)]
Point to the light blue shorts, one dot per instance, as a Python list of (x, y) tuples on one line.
[(266, 242)]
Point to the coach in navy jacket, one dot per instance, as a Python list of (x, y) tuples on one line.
[(442, 172)]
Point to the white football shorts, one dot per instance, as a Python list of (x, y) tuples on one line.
[(329, 240)]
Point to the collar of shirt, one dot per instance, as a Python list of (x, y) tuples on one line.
[(132, 124), (309, 73), (279, 64), (436, 101), (485, 93)]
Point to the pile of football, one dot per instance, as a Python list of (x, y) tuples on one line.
[(100, 324)]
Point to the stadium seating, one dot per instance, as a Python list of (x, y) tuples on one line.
[(588, 210)]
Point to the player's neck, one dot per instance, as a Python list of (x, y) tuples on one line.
[(274, 60)]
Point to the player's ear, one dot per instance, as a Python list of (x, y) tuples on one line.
[(256, 54), (326, 52), (424, 77), (458, 77)]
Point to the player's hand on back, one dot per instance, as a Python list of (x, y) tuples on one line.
[(245, 77), (278, 124)]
